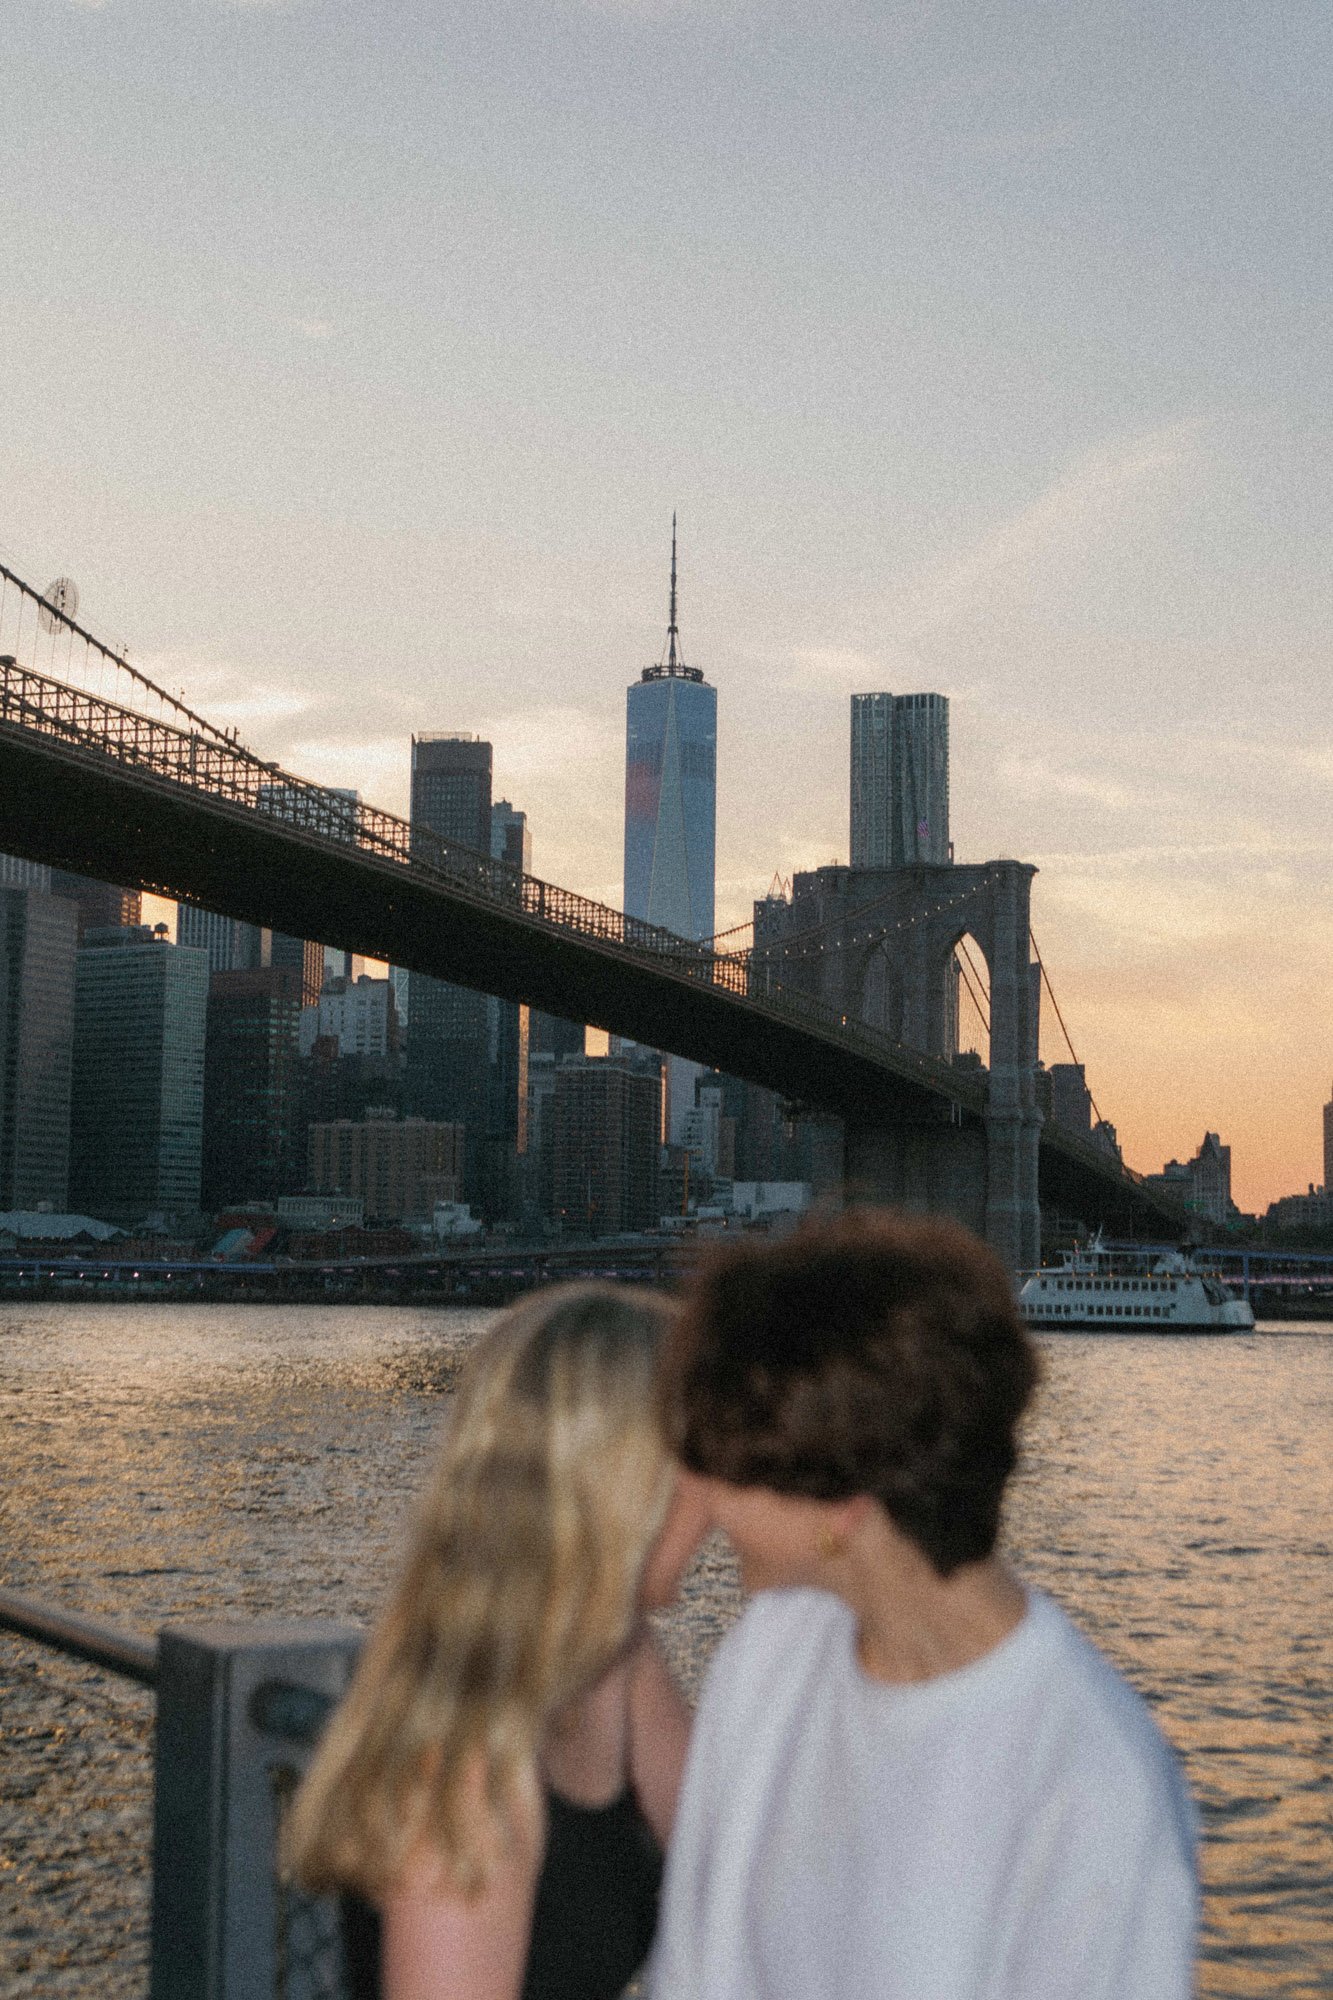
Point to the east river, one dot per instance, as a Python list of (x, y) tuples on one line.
[(164, 1462)]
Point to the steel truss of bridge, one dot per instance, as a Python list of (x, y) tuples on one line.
[(102, 789)]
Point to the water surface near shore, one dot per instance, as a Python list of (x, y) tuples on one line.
[(166, 1461)]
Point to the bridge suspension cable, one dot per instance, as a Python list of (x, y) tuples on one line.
[(217, 768), (816, 939), (978, 992), (1073, 1057), (53, 621)]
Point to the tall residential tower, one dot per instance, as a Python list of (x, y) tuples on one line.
[(900, 779)]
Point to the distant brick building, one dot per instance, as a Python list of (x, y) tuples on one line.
[(400, 1167), (607, 1120)]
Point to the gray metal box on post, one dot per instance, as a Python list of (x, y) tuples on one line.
[(237, 1705)]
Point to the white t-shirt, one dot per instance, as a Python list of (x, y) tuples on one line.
[(1016, 1830)]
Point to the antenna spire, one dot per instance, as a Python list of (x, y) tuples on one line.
[(673, 667), (673, 630)]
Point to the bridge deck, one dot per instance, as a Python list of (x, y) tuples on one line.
[(104, 790)]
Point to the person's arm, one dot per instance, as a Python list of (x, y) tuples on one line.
[(659, 1736), (438, 1945), (1115, 1909)]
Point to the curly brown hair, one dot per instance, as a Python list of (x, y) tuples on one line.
[(869, 1353)]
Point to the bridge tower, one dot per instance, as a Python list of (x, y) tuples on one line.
[(877, 945)]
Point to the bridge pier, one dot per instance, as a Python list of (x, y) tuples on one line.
[(934, 1166), (983, 1175)]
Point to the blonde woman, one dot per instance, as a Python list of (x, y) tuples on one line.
[(501, 1778)]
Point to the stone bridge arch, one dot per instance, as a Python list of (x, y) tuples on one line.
[(877, 944)]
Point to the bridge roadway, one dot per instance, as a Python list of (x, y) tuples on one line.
[(124, 797)]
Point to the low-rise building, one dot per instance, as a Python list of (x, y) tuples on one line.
[(1202, 1184), (1310, 1213), (321, 1211), (399, 1167), (760, 1201)]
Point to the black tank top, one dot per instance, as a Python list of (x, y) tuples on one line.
[(594, 1915), (596, 1907)]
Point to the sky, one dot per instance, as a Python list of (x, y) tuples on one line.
[(357, 352)]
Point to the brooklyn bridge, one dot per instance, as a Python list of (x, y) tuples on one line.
[(105, 773)]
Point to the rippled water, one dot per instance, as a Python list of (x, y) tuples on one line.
[(164, 1461)]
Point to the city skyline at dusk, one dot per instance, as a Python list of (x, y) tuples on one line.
[(985, 357)]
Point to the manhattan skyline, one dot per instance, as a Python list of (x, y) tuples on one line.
[(980, 356)]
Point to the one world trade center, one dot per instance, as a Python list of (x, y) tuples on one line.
[(671, 790), (671, 813)]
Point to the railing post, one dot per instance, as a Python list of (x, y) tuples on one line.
[(222, 1925)]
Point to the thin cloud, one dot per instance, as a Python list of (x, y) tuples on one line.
[(1030, 775), (1096, 500)]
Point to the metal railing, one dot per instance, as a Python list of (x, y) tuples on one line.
[(208, 1891), (225, 773), (128, 1654)]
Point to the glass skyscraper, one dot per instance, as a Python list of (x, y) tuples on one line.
[(138, 1107), (38, 942), (671, 791), (671, 815), (900, 779), (447, 1042)]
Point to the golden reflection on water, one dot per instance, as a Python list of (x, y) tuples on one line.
[(166, 1462), (1178, 1497)]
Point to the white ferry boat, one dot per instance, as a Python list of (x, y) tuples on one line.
[(1121, 1292)]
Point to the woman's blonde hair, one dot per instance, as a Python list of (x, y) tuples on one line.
[(549, 1487)]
